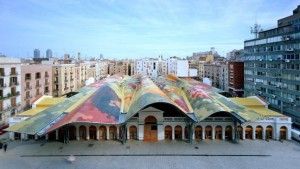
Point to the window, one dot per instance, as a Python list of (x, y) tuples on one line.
[(27, 76), (37, 75)]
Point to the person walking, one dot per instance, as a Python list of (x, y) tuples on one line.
[(5, 147)]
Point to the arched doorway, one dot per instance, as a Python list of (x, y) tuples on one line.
[(93, 133), (208, 132), (186, 133), (112, 132), (102, 133), (218, 131), (258, 132), (72, 132), (150, 129), (82, 133), (62, 133), (269, 132), (168, 133), (240, 132), (198, 133), (228, 133), (178, 133), (283, 133), (133, 133), (248, 132), (52, 135)]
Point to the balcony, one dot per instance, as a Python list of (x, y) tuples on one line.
[(13, 73), (66, 88), (55, 81), (13, 84), (46, 83), (9, 95), (38, 85), (3, 85), (46, 75), (28, 87), (28, 97)]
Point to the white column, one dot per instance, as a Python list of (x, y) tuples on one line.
[(223, 132), (264, 133), (118, 131), (107, 132), (87, 132), (244, 134), (47, 136), (12, 135), (203, 133), (141, 132), (56, 134), (160, 132), (97, 133), (77, 133), (36, 136), (23, 136), (213, 132), (254, 133), (128, 133), (173, 133), (193, 133)]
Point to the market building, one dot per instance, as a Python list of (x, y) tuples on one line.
[(167, 108)]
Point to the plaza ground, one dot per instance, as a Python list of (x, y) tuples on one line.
[(136, 154)]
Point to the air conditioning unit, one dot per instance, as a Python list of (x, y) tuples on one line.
[(290, 49), (273, 96), (259, 92), (287, 60), (259, 59)]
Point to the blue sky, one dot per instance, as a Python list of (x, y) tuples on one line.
[(133, 29)]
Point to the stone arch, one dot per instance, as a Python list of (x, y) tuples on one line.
[(198, 133), (168, 132), (150, 129), (82, 132), (93, 132), (102, 133), (269, 132), (133, 132), (218, 132), (228, 132), (249, 132), (259, 132), (208, 132), (72, 132), (113, 133), (178, 132), (283, 133)]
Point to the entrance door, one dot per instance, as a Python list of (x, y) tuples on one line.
[(150, 129)]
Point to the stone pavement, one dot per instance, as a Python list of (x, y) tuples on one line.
[(136, 154)]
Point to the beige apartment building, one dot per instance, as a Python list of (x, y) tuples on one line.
[(119, 67), (68, 77), (36, 80)]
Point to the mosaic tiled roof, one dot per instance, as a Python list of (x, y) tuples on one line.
[(117, 98)]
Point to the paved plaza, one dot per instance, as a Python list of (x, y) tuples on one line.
[(134, 154)]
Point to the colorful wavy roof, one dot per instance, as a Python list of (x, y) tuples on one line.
[(116, 99)]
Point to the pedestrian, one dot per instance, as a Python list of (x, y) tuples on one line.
[(5, 147)]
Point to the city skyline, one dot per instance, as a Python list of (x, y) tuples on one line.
[(132, 29)]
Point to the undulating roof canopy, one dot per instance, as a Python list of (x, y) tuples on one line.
[(116, 99)]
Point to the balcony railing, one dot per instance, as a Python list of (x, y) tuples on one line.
[(27, 78), (14, 73), (13, 84), (28, 88), (2, 85), (9, 95)]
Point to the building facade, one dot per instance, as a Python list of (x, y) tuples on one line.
[(10, 88), (64, 79), (236, 78), (272, 68), (36, 80)]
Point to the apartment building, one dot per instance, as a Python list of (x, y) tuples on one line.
[(119, 67), (212, 71), (10, 78), (64, 79), (272, 66), (36, 80), (223, 77)]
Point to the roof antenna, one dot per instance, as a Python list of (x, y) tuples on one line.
[(256, 28)]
